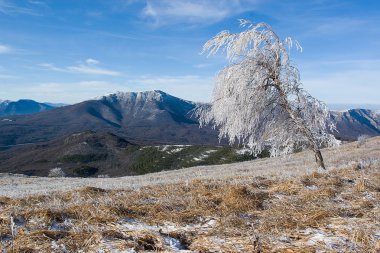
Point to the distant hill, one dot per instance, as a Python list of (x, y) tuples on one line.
[(22, 107)]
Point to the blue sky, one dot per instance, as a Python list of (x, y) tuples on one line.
[(73, 50)]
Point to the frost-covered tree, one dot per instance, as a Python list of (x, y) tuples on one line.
[(258, 99)]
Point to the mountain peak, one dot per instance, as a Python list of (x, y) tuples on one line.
[(128, 97), (4, 101)]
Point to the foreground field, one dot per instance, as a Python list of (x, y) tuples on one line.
[(269, 205)]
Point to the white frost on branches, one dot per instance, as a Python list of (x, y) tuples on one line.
[(258, 99)]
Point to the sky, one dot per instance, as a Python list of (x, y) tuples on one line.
[(73, 50)]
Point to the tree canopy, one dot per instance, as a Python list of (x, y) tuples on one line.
[(258, 98)]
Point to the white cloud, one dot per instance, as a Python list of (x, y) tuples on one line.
[(87, 68), (195, 11), (50, 66), (91, 61), (4, 49), (202, 65)]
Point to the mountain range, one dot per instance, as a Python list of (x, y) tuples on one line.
[(145, 118), (152, 117)]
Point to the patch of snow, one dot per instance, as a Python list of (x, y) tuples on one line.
[(330, 241), (176, 150), (173, 244), (58, 247), (204, 155), (164, 230), (243, 151), (113, 250), (369, 196), (284, 239), (168, 147), (312, 187)]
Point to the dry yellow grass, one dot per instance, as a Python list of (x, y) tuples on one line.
[(333, 211)]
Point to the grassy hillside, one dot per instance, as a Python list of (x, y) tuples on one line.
[(266, 205)]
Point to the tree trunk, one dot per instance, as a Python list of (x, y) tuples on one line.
[(300, 125), (319, 159)]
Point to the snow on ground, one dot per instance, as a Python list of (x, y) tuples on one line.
[(243, 151), (204, 155), (169, 150)]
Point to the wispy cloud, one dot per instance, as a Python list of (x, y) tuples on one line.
[(194, 11), (19, 7), (89, 67), (4, 49), (202, 65)]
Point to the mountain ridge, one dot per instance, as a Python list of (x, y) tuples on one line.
[(150, 117)]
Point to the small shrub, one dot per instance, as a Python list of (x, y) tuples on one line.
[(56, 172)]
